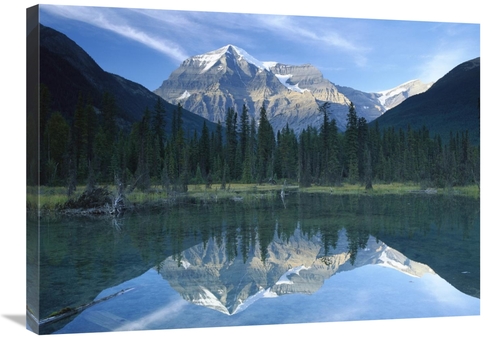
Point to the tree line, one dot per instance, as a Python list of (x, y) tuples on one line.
[(91, 148)]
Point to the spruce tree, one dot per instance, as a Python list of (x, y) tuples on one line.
[(286, 153), (216, 153), (351, 136), (334, 174), (265, 147), (248, 172), (244, 132), (159, 125), (204, 151), (143, 178), (58, 133), (80, 137), (231, 142)]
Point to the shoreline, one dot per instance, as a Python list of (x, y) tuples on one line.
[(53, 200)]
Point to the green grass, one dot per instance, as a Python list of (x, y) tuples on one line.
[(52, 198), (395, 188), (48, 198)]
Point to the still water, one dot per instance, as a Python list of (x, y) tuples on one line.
[(304, 258)]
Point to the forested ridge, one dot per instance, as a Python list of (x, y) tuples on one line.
[(92, 150)]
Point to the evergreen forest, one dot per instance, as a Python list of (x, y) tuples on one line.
[(92, 149)]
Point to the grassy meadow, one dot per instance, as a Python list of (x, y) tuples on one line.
[(54, 198)]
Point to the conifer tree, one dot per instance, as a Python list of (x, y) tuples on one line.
[(80, 137), (159, 136), (143, 178), (109, 112), (265, 147), (248, 172), (58, 133), (204, 151), (193, 154), (286, 153), (329, 169), (216, 153), (244, 132), (334, 174), (108, 136), (179, 153), (308, 156), (120, 158), (277, 159), (351, 139), (231, 142)]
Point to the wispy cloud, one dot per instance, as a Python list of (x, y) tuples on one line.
[(437, 65), (296, 28), (315, 32), (181, 34), (112, 20), (454, 44), (197, 31)]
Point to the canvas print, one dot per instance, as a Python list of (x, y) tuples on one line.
[(191, 169)]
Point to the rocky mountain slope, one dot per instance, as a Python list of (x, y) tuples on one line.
[(210, 83)]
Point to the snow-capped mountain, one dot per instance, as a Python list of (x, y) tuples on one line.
[(394, 96), (208, 277), (229, 77)]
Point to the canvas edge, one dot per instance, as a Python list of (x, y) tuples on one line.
[(32, 166)]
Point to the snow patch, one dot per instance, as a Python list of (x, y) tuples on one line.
[(242, 54), (283, 78), (210, 300), (284, 278), (270, 294), (385, 261), (395, 91), (209, 59), (269, 64), (250, 300), (184, 95), (185, 264), (389, 94)]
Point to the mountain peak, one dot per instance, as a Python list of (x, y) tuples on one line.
[(209, 59)]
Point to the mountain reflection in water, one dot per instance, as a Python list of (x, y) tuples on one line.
[(207, 277), (322, 258), (295, 283)]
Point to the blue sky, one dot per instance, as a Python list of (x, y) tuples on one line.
[(146, 45)]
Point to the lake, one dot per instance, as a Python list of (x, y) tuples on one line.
[(258, 260)]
